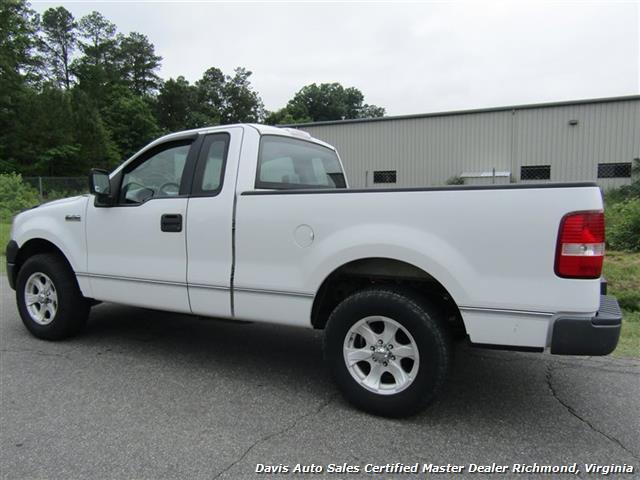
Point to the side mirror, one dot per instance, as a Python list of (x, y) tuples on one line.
[(100, 186)]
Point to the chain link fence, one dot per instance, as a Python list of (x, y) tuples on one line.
[(384, 176), (614, 170), (52, 188), (535, 172)]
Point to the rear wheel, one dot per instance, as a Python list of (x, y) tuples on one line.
[(49, 300), (387, 351)]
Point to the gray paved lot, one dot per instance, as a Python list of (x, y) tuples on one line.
[(143, 394)]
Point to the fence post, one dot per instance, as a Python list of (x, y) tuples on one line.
[(40, 188)]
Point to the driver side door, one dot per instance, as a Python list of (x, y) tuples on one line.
[(137, 247)]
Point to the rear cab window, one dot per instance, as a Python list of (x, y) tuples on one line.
[(289, 163)]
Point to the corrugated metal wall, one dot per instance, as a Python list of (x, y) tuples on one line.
[(426, 151)]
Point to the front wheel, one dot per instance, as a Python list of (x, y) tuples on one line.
[(387, 351), (49, 300)]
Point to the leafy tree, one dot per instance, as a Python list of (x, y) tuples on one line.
[(130, 120), (19, 61), (97, 69), (371, 111), (622, 210), (138, 63), (101, 98), (224, 99), (240, 102), (319, 102), (623, 225), (19, 71), (455, 180), (99, 35), (97, 148), (327, 101), (210, 94), (284, 117), (60, 30), (59, 160), (15, 196), (60, 133), (176, 105), (49, 147), (40, 130)]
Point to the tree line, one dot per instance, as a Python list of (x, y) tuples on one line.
[(76, 93)]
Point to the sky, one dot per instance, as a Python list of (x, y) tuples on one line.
[(409, 57)]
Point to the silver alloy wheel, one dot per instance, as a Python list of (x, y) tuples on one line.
[(381, 355), (41, 298)]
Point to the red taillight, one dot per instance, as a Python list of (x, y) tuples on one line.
[(580, 248)]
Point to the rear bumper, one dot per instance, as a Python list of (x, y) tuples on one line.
[(589, 336)]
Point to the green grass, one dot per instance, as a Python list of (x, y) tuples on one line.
[(5, 229), (629, 343), (622, 271)]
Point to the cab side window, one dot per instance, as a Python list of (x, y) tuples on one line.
[(159, 176), (211, 164)]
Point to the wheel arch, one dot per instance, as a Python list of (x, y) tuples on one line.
[(33, 247), (362, 273)]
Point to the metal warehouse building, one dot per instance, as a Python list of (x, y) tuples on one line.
[(587, 140)]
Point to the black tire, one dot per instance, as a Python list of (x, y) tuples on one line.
[(72, 308), (420, 319)]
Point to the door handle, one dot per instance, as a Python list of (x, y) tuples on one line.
[(171, 222)]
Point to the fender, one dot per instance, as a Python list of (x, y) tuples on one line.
[(61, 223), (408, 245)]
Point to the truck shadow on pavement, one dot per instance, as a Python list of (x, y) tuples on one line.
[(482, 383)]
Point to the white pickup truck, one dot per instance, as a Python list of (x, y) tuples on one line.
[(257, 223)]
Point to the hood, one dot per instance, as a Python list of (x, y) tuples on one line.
[(62, 201), (71, 205)]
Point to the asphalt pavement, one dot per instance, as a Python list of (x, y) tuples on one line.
[(148, 395)]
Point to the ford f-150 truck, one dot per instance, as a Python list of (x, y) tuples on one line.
[(257, 223)]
